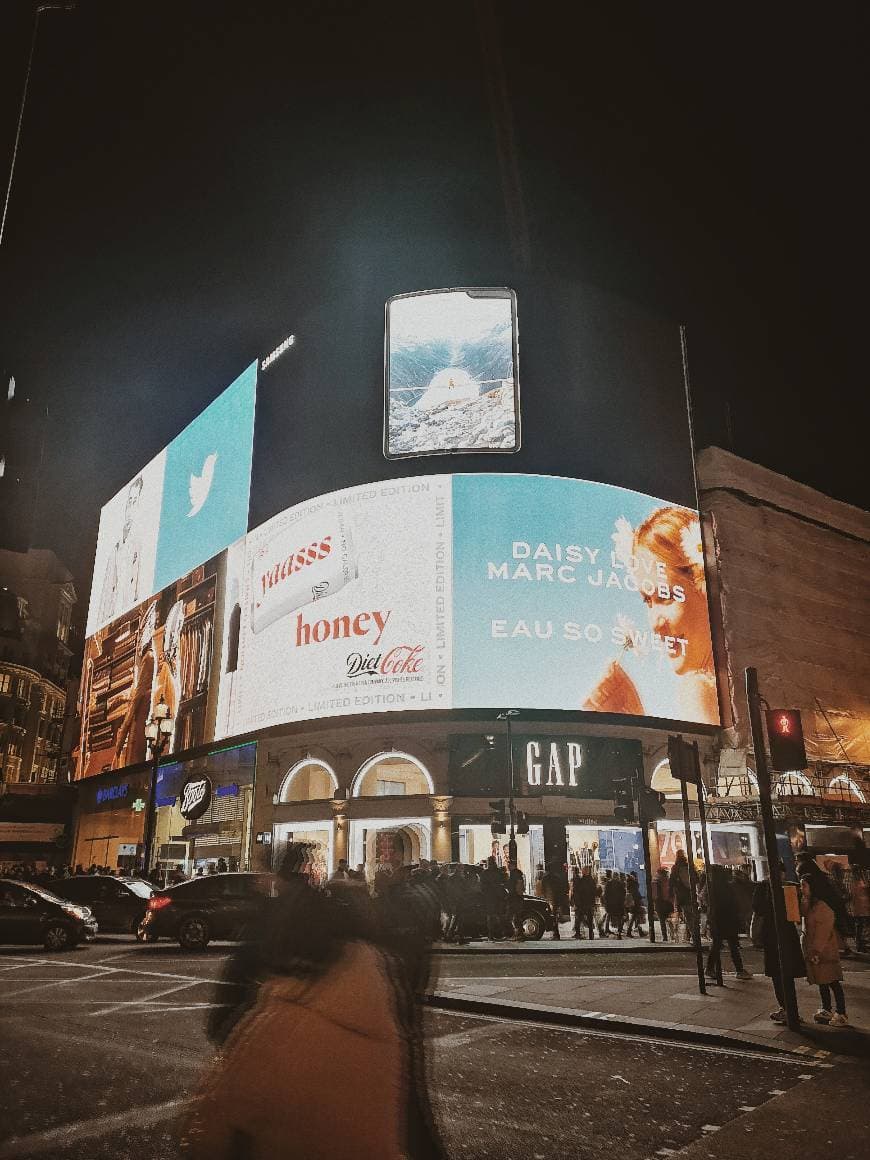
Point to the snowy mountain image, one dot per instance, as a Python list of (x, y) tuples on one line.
[(451, 374)]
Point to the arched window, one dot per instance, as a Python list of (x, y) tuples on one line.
[(794, 784), (663, 782), (845, 788), (392, 774), (309, 780), (737, 784)]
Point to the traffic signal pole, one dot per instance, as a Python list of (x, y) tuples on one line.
[(762, 773)]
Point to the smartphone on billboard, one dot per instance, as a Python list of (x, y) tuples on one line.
[(451, 382)]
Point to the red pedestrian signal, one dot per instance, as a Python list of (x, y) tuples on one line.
[(786, 738)]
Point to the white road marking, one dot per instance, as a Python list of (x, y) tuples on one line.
[(54, 1138), (462, 1037), (144, 1000), (132, 971), (98, 974)]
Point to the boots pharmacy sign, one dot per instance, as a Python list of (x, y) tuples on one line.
[(195, 797)]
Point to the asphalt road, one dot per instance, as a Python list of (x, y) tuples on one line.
[(101, 1047)]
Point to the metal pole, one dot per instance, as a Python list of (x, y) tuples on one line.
[(39, 11), (512, 809), (774, 877), (708, 862), (151, 815), (696, 933), (647, 861)]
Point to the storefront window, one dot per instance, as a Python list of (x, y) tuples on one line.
[(317, 834), (309, 780), (663, 782), (407, 776), (382, 845)]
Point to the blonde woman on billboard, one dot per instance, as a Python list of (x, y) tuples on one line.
[(167, 683), (665, 556), (130, 746)]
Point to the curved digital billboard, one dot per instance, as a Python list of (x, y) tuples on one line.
[(466, 592)]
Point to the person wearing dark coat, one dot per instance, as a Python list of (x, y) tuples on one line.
[(762, 906), (614, 903), (584, 890), (554, 889), (724, 921)]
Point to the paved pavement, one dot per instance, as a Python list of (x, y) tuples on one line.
[(660, 1000), (103, 1045)]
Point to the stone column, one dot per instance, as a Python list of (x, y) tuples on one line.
[(441, 828)]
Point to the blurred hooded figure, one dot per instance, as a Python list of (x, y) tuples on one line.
[(326, 1004)]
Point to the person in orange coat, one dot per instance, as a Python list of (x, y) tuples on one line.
[(821, 948), (321, 1055)]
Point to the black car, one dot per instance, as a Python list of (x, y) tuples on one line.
[(30, 914), (119, 904), (218, 906), (536, 915)]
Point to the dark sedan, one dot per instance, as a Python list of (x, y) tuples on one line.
[(219, 906), (119, 904), (31, 915)]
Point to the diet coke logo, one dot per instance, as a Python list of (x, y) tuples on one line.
[(404, 659), (195, 797)]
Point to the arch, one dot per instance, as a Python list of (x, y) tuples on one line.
[(311, 764), (843, 785), (794, 784), (662, 782), (385, 758)]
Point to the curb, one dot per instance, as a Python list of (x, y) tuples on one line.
[(551, 947), (601, 1021)]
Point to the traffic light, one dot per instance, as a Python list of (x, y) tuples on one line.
[(498, 822), (786, 736), (651, 804), (623, 800), (522, 823)]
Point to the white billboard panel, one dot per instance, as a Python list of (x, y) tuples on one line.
[(344, 608)]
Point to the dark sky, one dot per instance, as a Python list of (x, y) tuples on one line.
[(197, 179)]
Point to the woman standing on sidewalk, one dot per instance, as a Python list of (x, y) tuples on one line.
[(822, 953)]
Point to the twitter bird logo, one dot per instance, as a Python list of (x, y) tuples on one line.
[(200, 485)]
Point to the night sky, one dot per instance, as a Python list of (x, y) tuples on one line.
[(198, 179)]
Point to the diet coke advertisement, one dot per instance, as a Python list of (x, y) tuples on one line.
[(345, 608)]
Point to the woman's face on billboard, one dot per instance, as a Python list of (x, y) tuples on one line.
[(683, 619)]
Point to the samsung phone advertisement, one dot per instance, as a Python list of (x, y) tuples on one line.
[(451, 373), (187, 504)]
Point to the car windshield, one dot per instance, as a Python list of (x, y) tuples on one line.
[(43, 893), (143, 889)]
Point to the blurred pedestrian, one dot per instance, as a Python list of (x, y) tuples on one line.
[(494, 885), (822, 954), (554, 889), (663, 901), (583, 893), (633, 906), (681, 893), (861, 907), (328, 1006), (793, 964), (724, 921), (614, 904)]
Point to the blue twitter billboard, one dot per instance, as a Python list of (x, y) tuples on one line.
[(206, 482), (184, 507)]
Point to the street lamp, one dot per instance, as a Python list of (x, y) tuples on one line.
[(506, 716), (158, 732)]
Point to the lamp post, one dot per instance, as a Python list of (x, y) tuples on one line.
[(157, 733), (506, 716)]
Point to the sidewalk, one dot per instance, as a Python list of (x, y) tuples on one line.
[(736, 1015), (549, 945)]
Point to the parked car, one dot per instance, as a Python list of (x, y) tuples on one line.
[(30, 914), (536, 916), (219, 906), (119, 904)]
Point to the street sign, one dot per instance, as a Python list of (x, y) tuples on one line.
[(684, 760)]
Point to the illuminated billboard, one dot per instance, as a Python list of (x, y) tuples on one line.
[(436, 592), (467, 592), (344, 607), (576, 595), (185, 506), (162, 648), (450, 372)]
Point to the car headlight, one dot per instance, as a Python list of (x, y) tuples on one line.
[(80, 912)]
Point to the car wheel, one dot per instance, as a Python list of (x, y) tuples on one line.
[(58, 937), (193, 934), (533, 926)]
